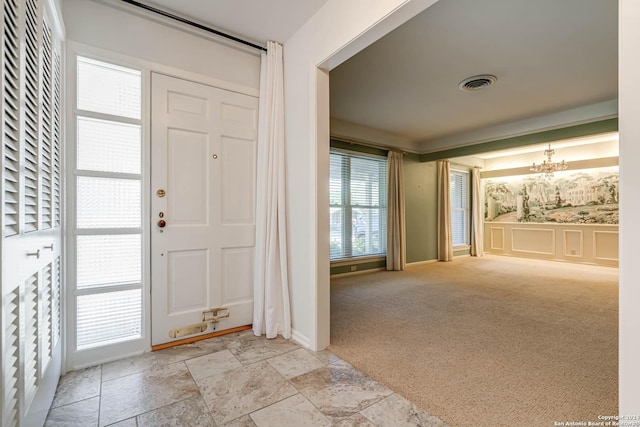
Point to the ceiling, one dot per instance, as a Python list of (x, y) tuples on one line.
[(549, 57), (256, 20)]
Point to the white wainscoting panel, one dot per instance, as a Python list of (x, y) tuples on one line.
[(497, 238), (576, 243), (605, 245), (573, 243), (533, 240)]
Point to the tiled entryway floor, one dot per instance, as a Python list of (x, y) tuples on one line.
[(236, 380)]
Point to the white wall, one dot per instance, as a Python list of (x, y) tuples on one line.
[(134, 34), (629, 93), (336, 32)]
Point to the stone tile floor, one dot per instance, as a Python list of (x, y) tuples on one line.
[(237, 380)]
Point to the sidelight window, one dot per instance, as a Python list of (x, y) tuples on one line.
[(108, 204)]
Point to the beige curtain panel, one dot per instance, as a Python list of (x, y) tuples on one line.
[(477, 222), (396, 238), (445, 238)]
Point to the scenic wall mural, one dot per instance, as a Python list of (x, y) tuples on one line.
[(582, 197)]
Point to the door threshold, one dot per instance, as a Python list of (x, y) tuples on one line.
[(199, 338)]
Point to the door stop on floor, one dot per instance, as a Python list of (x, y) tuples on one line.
[(213, 316)]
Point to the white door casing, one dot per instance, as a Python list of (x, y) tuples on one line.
[(203, 155)]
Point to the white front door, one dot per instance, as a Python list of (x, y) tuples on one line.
[(203, 172)]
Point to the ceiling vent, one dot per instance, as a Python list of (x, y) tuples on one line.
[(477, 82)]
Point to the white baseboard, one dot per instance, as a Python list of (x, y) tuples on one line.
[(83, 365), (301, 339)]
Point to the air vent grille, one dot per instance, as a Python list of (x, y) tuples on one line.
[(477, 82)]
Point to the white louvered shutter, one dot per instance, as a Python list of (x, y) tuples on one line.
[(30, 327), (31, 117), (11, 360), (31, 113), (11, 118), (56, 162), (46, 129)]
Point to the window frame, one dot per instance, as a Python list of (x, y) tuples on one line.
[(347, 208), (80, 358), (466, 209)]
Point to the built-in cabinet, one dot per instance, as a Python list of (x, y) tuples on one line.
[(31, 194)]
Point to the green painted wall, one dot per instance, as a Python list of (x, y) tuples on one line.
[(461, 252), (593, 128), (421, 212), (351, 146), (359, 267)]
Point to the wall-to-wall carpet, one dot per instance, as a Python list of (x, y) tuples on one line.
[(491, 341)]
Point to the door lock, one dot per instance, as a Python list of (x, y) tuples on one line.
[(162, 223)]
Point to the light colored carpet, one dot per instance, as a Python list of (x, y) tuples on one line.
[(492, 341)]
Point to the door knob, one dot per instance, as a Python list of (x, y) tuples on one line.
[(162, 223)]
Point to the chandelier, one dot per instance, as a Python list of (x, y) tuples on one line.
[(548, 167)]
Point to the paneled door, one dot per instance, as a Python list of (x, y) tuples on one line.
[(203, 173)]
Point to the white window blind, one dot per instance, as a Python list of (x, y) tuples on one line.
[(108, 146), (358, 205), (109, 89), (108, 194), (459, 188), (109, 318)]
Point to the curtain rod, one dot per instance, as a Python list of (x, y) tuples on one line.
[(193, 24), (352, 141)]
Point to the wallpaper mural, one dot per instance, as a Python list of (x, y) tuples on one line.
[(584, 197)]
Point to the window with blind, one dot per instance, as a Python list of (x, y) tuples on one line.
[(108, 195), (358, 205), (459, 188)]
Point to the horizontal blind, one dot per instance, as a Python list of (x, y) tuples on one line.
[(358, 204), (459, 188), (108, 318), (109, 89), (108, 214)]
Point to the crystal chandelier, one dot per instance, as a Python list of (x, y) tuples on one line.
[(548, 167)]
